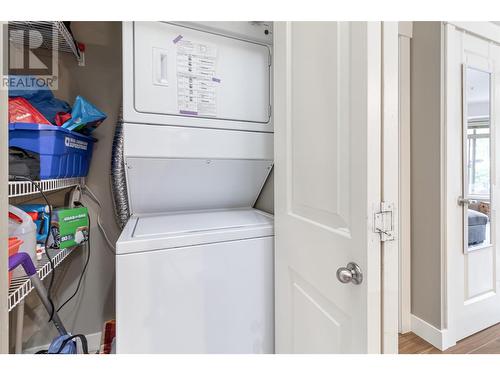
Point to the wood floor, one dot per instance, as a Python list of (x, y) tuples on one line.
[(484, 342)]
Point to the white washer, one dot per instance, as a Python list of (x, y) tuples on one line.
[(196, 282)]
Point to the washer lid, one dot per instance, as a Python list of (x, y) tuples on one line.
[(188, 228)]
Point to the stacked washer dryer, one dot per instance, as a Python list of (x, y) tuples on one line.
[(195, 262)]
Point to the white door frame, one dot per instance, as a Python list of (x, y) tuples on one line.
[(390, 184), (405, 34)]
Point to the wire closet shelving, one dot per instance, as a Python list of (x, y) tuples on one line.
[(45, 34)]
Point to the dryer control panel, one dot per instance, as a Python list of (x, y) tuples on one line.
[(197, 76)]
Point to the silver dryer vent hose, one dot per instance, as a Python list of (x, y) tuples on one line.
[(118, 181)]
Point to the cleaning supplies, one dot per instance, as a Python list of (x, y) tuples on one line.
[(40, 215), (21, 225), (14, 244), (69, 227)]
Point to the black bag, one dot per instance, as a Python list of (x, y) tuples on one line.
[(23, 163)]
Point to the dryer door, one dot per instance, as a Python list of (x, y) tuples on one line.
[(177, 168)]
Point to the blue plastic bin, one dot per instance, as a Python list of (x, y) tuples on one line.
[(63, 153)]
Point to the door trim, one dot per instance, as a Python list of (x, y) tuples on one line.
[(390, 183), (485, 30), (404, 185)]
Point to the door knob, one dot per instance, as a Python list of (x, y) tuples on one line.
[(465, 201), (350, 274)]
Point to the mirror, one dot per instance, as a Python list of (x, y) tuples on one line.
[(477, 159)]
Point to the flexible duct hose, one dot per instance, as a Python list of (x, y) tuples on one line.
[(118, 181)]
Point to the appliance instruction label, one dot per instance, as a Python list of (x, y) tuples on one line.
[(196, 82)]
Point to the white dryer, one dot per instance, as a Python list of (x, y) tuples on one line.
[(194, 264)]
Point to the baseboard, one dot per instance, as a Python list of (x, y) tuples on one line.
[(439, 338), (93, 341)]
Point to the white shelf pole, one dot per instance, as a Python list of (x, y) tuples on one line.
[(19, 327)]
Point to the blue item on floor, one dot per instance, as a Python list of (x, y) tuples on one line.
[(63, 153), (84, 115), (61, 345), (41, 98)]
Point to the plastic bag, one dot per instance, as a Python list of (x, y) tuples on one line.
[(41, 98), (84, 115), (20, 110)]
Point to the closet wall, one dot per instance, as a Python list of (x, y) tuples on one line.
[(99, 81), (426, 172)]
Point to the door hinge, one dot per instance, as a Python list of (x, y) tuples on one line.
[(383, 221)]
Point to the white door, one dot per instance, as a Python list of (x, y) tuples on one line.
[(327, 117), (473, 131)]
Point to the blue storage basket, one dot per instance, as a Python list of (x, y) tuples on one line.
[(63, 153)]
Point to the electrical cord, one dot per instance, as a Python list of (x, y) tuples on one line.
[(91, 195), (49, 289), (88, 192), (84, 267)]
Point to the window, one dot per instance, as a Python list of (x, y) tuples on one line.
[(478, 146)]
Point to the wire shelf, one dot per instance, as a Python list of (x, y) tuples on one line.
[(20, 287), (21, 188), (49, 34)]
